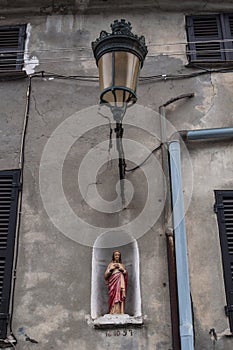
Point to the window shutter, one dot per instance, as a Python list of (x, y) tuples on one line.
[(205, 36), (9, 188), (12, 40), (227, 24), (224, 210)]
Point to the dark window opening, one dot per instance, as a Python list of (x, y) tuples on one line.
[(224, 210), (12, 42), (9, 189), (210, 39)]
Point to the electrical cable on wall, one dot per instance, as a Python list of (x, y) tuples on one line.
[(144, 161), (19, 209), (145, 79), (87, 48)]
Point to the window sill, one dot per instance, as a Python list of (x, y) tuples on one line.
[(113, 321), (209, 64), (12, 75)]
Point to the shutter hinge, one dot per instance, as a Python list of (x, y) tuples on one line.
[(4, 316), (218, 206), (228, 310)]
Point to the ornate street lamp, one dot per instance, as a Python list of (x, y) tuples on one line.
[(119, 56)]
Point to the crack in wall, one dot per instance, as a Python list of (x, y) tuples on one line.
[(208, 94), (38, 111), (213, 97)]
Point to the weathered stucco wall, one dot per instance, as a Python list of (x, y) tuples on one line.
[(53, 288)]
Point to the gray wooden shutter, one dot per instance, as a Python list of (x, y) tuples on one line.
[(204, 39), (9, 188), (12, 40), (224, 210)]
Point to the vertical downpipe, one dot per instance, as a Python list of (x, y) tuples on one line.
[(173, 288), (169, 234), (184, 300)]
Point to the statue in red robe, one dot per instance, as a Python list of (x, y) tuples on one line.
[(116, 277)]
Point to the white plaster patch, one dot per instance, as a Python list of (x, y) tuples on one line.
[(29, 62)]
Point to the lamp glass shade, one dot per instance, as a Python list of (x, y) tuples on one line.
[(118, 76)]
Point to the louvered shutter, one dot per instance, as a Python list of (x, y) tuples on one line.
[(12, 40), (204, 39), (224, 211), (9, 188), (227, 23)]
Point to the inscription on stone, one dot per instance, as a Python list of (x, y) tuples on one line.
[(118, 333)]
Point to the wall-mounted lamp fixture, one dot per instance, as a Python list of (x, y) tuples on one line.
[(119, 56)]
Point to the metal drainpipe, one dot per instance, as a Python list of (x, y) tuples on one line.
[(168, 226), (169, 235), (185, 312), (204, 134), (184, 300)]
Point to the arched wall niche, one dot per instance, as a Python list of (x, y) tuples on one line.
[(101, 256)]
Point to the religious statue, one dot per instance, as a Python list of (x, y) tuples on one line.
[(116, 278)]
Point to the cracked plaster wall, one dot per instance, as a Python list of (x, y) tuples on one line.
[(52, 298)]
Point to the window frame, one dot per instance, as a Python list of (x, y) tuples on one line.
[(223, 207), (16, 67), (224, 39), (9, 194)]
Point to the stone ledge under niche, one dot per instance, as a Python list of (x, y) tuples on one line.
[(117, 320)]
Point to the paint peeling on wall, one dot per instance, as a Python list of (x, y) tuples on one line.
[(29, 62)]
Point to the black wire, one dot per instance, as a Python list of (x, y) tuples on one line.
[(146, 79), (19, 207), (61, 76), (185, 76), (44, 74), (138, 166), (177, 98)]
